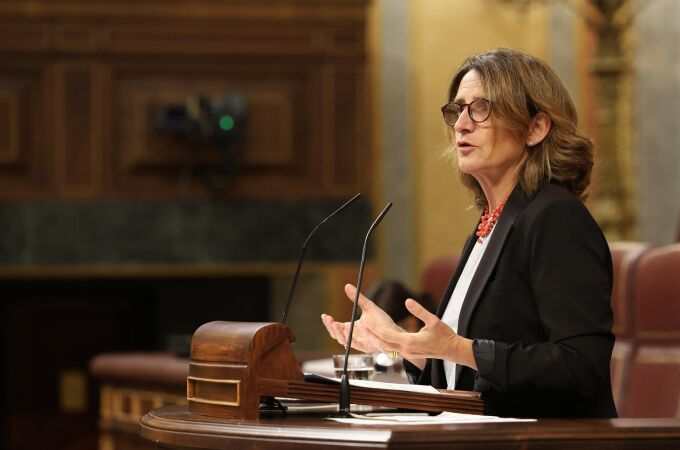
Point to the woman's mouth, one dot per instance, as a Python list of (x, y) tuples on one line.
[(464, 147)]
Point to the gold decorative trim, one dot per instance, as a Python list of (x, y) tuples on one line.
[(192, 398)]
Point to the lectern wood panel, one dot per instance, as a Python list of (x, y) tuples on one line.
[(234, 364), (175, 427), (457, 401), (228, 359)]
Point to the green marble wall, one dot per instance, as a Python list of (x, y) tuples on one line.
[(76, 233)]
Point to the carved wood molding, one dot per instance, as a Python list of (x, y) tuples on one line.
[(288, 10), (271, 27)]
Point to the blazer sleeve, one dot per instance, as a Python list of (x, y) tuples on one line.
[(570, 275)]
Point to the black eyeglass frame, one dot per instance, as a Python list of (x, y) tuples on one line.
[(462, 107)]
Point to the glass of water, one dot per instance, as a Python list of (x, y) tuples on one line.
[(360, 366)]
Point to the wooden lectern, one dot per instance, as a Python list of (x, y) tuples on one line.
[(234, 364)]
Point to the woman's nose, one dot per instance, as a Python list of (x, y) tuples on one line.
[(464, 122)]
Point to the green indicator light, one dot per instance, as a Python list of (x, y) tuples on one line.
[(226, 123)]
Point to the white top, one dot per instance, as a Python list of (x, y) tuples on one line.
[(452, 312)]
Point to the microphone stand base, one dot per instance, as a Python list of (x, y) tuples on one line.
[(343, 413), (271, 404)]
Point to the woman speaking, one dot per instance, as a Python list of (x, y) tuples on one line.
[(526, 318)]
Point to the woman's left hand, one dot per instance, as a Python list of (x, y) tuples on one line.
[(435, 340)]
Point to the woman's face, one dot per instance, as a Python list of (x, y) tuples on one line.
[(490, 160)]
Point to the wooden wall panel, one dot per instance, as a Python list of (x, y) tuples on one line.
[(78, 144), (76, 37), (349, 124), (273, 112), (9, 128), (108, 68), (277, 153), (24, 132), (24, 35), (210, 38)]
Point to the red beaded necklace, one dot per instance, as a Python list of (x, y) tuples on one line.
[(488, 220)]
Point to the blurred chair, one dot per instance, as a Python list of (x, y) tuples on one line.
[(132, 384), (656, 296), (654, 385), (625, 256), (437, 274)]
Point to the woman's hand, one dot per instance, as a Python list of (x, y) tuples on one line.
[(376, 332), (371, 315), (435, 340)]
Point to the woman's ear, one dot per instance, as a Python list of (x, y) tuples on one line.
[(538, 129)]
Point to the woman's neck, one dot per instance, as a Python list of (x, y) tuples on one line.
[(498, 186), (498, 193)]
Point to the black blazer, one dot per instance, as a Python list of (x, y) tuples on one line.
[(542, 293)]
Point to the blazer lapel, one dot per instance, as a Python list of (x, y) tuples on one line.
[(514, 206)]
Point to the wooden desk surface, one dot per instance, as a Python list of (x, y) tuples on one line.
[(175, 427)]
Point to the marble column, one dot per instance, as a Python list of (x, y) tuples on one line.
[(657, 119), (395, 135)]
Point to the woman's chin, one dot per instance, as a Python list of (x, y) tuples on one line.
[(466, 167)]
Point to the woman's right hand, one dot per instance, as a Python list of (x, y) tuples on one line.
[(372, 316)]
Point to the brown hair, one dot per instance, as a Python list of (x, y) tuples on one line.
[(519, 86)]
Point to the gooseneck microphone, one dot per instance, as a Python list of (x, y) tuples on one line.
[(304, 250), (344, 381)]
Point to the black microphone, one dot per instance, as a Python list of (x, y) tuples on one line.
[(344, 381), (304, 250)]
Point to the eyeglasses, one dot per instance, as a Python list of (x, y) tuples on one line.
[(479, 110)]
